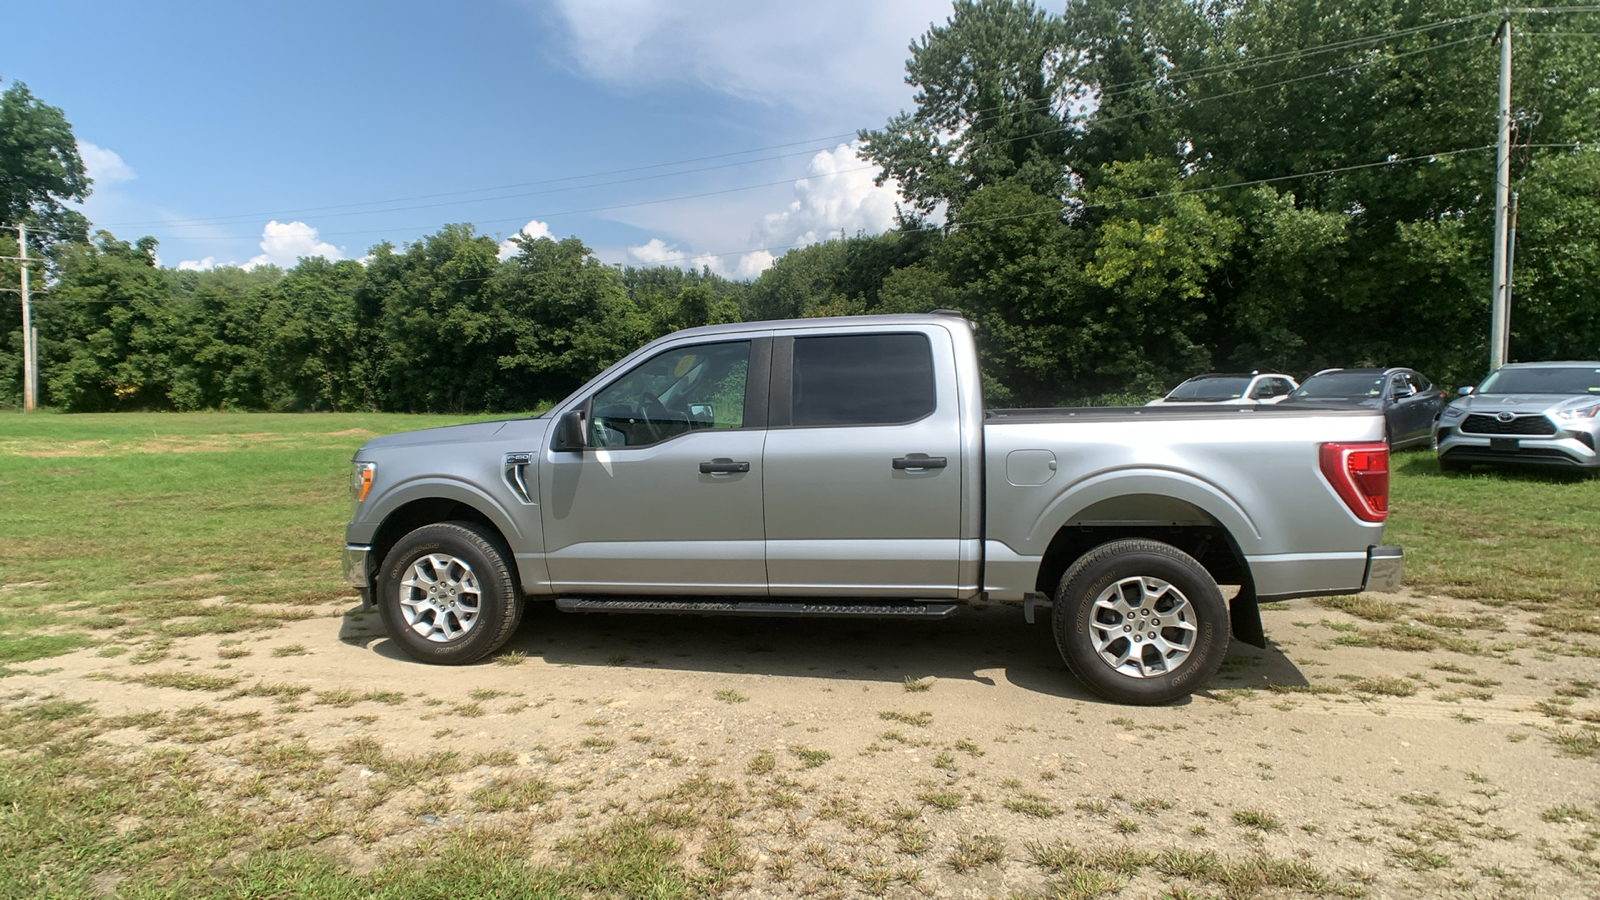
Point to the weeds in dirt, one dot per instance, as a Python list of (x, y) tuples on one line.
[(810, 758), (1256, 820), (974, 851), (1365, 606)]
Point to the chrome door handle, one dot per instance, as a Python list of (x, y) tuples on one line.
[(723, 467), (920, 462)]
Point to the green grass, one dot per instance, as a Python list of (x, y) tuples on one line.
[(1526, 539), (135, 519)]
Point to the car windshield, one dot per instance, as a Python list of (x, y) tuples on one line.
[(1557, 380), (1342, 386), (1215, 387)]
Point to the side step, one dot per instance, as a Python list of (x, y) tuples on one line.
[(870, 609)]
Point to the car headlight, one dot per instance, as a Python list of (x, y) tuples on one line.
[(361, 479), (1452, 413), (1577, 413)]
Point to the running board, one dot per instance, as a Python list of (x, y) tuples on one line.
[(866, 609)]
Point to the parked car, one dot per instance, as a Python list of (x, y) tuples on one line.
[(1408, 400), (1533, 414), (847, 467), (1223, 387)]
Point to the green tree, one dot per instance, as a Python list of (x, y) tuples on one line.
[(564, 317), (40, 168), (989, 84), (311, 339)]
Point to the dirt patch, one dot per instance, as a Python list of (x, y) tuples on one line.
[(927, 759)]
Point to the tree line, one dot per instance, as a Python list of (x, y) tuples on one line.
[(1119, 196)]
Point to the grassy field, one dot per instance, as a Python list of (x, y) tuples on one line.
[(126, 533)]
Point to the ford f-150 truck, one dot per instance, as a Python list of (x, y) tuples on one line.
[(847, 467)]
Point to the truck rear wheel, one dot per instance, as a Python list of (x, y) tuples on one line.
[(446, 594), (1140, 622)]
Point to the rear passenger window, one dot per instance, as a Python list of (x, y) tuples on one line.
[(862, 379)]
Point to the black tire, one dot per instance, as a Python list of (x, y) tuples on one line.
[(472, 606), (1189, 647)]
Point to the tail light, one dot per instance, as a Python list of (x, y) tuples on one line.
[(1359, 474)]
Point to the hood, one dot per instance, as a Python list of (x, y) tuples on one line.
[(1365, 402), (1523, 404), (448, 434)]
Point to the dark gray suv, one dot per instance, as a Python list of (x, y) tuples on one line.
[(1409, 401), (1525, 414)]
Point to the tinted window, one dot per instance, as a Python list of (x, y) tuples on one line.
[(1563, 380), (681, 390), (1211, 387), (1342, 385), (862, 379)]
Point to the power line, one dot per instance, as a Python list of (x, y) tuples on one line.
[(612, 207), (1299, 53), (220, 220)]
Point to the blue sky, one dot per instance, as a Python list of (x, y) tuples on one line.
[(240, 133)]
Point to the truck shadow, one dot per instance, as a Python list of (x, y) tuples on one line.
[(982, 644)]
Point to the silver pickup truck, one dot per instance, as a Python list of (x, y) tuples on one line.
[(847, 467)]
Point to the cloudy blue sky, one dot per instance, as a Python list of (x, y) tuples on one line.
[(687, 132)]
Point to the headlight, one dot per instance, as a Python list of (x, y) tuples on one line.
[(361, 479), (1452, 412), (1581, 412)]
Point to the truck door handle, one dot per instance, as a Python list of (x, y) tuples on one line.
[(723, 467), (920, 462)]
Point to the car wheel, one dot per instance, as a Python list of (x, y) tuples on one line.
[(447, 595), (1140, 622)]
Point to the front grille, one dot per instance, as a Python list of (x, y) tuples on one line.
[(1480, 424)]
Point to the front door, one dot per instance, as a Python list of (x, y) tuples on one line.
[(863, 466), (666, 496)]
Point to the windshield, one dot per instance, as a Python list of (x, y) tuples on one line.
[(1216, 387), (1562, 380), (1342, 386)]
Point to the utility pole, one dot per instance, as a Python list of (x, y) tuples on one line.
[(1499, 302), (29, 360)]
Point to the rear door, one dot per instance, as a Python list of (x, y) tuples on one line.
[(862, 465), (1412, 410)]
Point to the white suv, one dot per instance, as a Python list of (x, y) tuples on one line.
[(1219, 387)]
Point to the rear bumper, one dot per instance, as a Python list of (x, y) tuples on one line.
[(1288, 577), (1385, 567)]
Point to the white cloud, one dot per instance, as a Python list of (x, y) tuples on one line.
[(104, 166), (740, 266), (837, 199), (285, 243), (839, 57), (534, 229), (197, 265)]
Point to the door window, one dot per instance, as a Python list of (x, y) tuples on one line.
[(682, 390), (862, 379)]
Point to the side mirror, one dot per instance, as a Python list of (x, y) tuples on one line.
[(702, 415), (1465, 391), (569, 431)]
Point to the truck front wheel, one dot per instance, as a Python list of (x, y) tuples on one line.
[(446, 594), (1140, 622)]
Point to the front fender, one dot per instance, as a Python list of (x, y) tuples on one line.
[(376, 510)]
